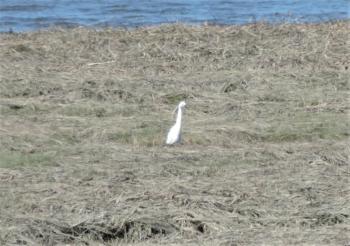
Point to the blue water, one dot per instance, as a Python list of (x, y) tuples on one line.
[(24, 15)]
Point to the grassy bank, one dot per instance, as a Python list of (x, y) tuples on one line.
[(265, 154)]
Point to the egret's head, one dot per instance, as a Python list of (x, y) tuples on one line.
[(182, 104)]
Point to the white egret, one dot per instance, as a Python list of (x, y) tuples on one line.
[(174, 134)]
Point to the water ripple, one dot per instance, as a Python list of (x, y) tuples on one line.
[(23, 15)]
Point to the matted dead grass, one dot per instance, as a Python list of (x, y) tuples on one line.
[(265, 158)]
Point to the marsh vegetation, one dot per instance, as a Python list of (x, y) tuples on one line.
[(265, 154)]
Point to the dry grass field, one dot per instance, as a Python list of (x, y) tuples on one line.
[(265, 152)]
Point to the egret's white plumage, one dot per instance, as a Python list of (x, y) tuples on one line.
[(174, 134)]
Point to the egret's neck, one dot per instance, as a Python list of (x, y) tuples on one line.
[(179, 116)]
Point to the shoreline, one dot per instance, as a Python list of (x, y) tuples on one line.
[(157, 25)]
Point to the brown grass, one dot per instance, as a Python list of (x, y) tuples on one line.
[(265, 154)]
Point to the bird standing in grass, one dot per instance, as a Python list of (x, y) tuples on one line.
[(174, 134)]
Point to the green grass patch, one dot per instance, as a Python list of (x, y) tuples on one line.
[(23, 109), (16, 159), (174, 98), (144, 135), (308, 126), (89, 109)]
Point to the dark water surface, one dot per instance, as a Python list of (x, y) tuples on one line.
[(24, 15)]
